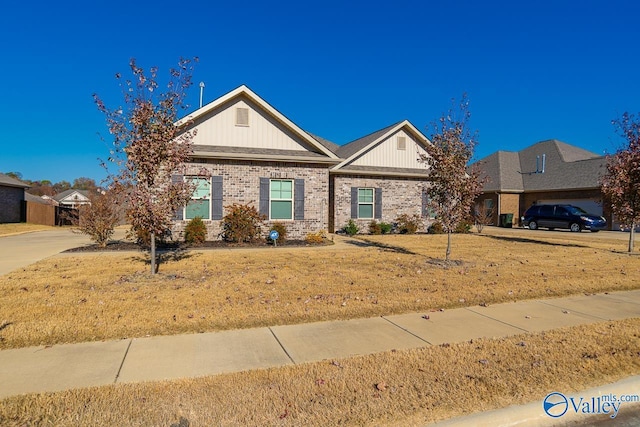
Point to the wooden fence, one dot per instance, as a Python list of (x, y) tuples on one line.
[(39, 213)]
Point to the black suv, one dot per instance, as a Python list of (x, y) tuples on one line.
[(562, 216)]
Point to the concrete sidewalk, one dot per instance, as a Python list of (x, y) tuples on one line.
[(62, 367)]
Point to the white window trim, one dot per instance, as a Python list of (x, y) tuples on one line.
[(191, 177), (373, 202), (292, 200)]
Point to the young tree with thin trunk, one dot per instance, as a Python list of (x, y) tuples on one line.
[(621, 181), (148, 148), (454, 186)]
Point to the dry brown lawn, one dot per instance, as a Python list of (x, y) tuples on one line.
[(21, 227), (109, 296), (405, 388)]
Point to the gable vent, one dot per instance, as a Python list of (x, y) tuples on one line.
[(402, 143), (242, 116)]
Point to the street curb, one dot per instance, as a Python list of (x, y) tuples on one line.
[(532, 414)]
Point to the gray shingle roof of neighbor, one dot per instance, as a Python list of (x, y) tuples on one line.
[(356, 145), (37, 199), (8, 181), (566, 168)]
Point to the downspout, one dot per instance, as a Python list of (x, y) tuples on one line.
[(498, 210)]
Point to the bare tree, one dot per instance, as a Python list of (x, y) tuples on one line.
[(148, 147), (621, 182), (455, 186)]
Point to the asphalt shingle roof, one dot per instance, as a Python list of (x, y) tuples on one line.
[(8, 181)]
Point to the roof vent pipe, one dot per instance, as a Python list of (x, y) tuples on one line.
[(544, 162)]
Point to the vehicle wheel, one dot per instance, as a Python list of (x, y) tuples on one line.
[(533, 225), (575, 227)]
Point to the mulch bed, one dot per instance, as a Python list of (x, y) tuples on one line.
[(118, 245)]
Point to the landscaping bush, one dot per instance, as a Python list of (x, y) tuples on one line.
[(463, 228), (98, 219), (385, 227), (316, 238), (374, 227), (408, 224), (351, 228), (242, 223), (195, 232), (435, 228), (282, 232)]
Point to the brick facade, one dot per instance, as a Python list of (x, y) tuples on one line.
[(11, 199), (399, 196), (241, 184)]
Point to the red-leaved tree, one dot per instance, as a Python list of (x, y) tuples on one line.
[(148, 148), (454, 186), (621, 182)]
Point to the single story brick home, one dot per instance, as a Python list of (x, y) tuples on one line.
[(245, 151), (546, 172), (11, 199)]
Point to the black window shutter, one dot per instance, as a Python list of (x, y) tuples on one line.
[(178, 216), (216, 197), (298, 202), (378, 204), (354, 202), (263, 206)]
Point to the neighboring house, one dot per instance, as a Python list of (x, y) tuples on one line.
[(246, 151), (72, 198), (11, 199), (547, 172)]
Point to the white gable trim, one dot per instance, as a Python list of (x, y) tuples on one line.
[(404, 124), (244, 90)]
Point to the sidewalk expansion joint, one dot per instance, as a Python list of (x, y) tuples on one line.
[(406, 330), (497, 320), (574, 311), (123, 359), (282, 346)]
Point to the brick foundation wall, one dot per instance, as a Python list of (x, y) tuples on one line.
[(11, 204), (399, 196), (241, 184)]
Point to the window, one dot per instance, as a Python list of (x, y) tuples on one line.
[(365, 203), (488, 205), (281, 199), (242, 116), (200, 199)]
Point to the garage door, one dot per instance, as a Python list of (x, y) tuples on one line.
[(590, 206)]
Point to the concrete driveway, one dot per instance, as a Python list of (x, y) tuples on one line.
[(20, 250)]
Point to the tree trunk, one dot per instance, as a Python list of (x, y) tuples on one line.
[(632, 233), (153, 253), (448, 246)]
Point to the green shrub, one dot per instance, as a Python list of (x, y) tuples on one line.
[(385, 227), (374, 227), (195, 232), (282, 232), (316, 238), (242, 223), (463, 228), (435, 228), (351, 228), (408, 224)]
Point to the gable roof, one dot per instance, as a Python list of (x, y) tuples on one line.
[(7, 181), (354, 149), (243, 91), (67, 193), (566, 167)]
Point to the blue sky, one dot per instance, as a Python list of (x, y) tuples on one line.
[(339, 69)]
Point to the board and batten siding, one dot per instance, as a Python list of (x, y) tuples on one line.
[(386, 153), (262, 131)]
